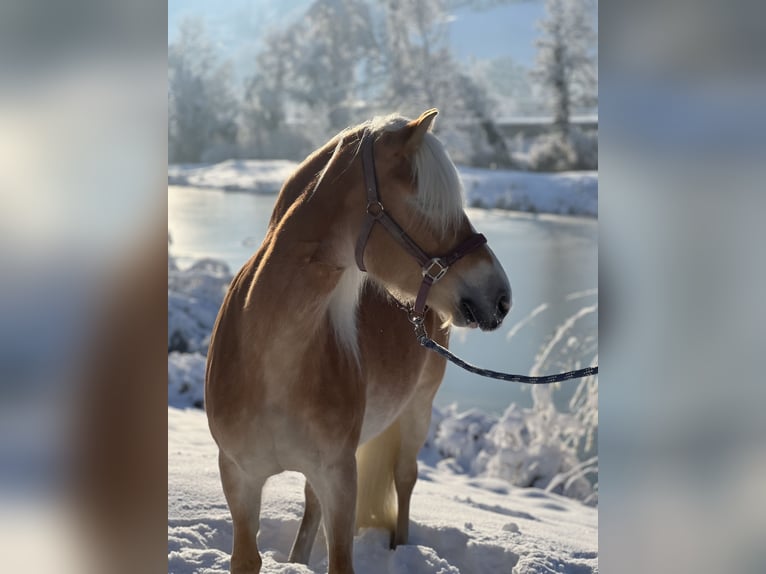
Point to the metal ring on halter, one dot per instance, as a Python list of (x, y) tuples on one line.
[(375, 209), (415, 318), (440, 271)]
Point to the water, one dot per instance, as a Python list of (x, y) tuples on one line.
[(551, 262)]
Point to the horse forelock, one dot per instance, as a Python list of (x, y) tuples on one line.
[(440, 191)]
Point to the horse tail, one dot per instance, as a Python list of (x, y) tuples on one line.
[(376, 504)]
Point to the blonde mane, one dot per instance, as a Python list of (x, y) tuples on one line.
[(440, 191)]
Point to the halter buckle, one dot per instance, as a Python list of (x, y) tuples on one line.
[(434, 269)]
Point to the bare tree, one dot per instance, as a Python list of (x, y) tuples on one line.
[(312, 71), (349, 59), (421, 72), (417, 58), (566, 63), (202, 108)]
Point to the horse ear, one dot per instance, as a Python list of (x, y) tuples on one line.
[(417, 129)]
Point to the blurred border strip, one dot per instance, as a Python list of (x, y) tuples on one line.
[(83, 308), (683, 138)]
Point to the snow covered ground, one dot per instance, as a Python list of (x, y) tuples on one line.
[(569, 193), (254, 176), (459, 524), (566, 193)]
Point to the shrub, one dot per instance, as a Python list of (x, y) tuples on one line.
[(551, 152), (555, 152)]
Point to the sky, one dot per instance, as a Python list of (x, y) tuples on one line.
[(236, 25)]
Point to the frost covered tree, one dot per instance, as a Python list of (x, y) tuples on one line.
[(566, 63), (265, 131), (333, 64), (420, 72), (202, 107), (348, 60), (311, 72), (416, 51)]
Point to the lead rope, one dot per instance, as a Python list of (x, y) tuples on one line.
[(427, 342)]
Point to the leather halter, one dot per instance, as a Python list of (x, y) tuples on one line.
[(433, 268)]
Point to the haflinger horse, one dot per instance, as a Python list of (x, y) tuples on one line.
[(313, 365)]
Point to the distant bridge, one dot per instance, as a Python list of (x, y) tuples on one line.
[(531, 127)]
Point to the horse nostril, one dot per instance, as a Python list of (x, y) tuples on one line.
[(503, 305), (469, 313)]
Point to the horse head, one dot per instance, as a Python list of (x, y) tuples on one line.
[(419, 189)]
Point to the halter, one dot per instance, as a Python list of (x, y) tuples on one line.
[(432, 268)]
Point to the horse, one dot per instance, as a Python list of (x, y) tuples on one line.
[(312, 364)]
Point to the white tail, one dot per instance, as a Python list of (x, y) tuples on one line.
[(376, 503)]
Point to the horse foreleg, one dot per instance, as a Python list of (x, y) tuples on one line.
[(307, 532), (413, 425), (405, 476), (243, 495), (335, 486)]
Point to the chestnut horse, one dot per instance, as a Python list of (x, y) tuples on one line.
[(313, 365)]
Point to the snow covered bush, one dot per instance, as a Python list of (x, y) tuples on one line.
[(534, 447), (585, 145), (552, 444), (194, 297), (555, 152), (539, 447), (462, 436), (186, 380), (551, 152)]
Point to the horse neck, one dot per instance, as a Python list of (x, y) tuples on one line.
[(309, 273)]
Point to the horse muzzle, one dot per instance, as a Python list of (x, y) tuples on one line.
[(486, 313)]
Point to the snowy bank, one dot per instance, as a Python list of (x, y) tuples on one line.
[(194, 297), (459, 524), (569, 193), (254, 176)]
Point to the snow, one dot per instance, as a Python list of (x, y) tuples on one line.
[(255, 176), (567, 193), (186, 376), (194, 297), (459, 524)]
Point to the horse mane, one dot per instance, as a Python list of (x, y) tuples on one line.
[(440, 191)]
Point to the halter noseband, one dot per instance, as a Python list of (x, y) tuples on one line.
[(433, 268)]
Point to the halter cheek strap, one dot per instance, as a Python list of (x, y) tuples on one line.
[(433, 268)]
